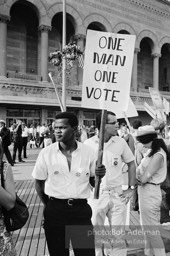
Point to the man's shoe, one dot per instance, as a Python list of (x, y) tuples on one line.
[(22, 161)]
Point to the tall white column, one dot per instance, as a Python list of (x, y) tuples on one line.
[(156, 57), (44, 51), (3, 40), (135, 70), (81, 42), (44, 116)]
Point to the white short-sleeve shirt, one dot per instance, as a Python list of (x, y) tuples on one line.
[(52, 166), (116, 152), (160, 175)]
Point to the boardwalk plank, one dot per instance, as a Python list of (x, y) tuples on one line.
[(18, 184), (29, 230), (25, 188), (21, 185), (41, 250), (23, 232), (36, 231)]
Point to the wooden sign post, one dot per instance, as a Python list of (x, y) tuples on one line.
[(100, 152)]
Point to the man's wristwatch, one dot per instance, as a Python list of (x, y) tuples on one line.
[(132, 187)]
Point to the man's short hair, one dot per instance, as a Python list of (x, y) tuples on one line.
[(136, 123), (123, 124), (72, 119), (98, 118)]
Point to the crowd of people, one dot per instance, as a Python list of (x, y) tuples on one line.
[(65, 173), (64, 182), (22, 136)]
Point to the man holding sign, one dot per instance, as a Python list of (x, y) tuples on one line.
[(106, 86), (112, 201)]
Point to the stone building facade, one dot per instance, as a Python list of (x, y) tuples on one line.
[(30, 30)]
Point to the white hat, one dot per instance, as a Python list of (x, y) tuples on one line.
[(2, 121), (146, 129)]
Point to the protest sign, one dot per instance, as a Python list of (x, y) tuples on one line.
[(166, 106), (107, 70), (156, 98), (149, 110), (160, 114), (130, 111), (160, 103)]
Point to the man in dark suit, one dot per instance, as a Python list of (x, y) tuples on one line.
[(6, 140), (17, 137)]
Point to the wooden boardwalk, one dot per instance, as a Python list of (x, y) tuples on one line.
[(30, 240)]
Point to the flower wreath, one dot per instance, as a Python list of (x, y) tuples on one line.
[(70, 52)]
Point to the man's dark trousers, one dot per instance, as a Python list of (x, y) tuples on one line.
[(17, 146), (58, 216), (24, 146)]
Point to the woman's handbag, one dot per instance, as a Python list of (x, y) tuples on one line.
[(17, 217)]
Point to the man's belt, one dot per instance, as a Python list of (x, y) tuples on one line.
[(69, 201), (152, 183), (156, 184)]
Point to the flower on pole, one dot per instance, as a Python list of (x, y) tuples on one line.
[(55, 58), (70, 52)]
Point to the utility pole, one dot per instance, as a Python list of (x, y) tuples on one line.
[(64, 59)]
